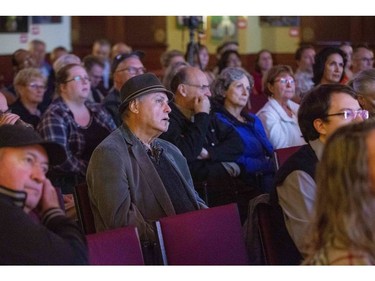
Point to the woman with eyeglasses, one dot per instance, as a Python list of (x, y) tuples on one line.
[(231, 92), (30, 86), (279, 114), (76, 123)]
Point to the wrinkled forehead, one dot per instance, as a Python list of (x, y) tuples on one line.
[(77, 70), (154, 95), (340, 101)]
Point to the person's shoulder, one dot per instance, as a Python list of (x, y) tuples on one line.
[(95, 106), (217, 120), (16, 104), (113, 95), (293, 105), (164, 143), (115, 136), (55, 111), (170, 147), (220, 115), (56, 105), (114, 143), (253, 117), (267, 110), (175, 111)]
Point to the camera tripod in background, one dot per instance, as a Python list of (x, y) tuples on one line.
[(193, 23)]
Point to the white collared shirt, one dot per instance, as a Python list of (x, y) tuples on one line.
[(281, 129), (297, 198)]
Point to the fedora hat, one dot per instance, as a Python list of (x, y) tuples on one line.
[(140, 85), (19, 135)]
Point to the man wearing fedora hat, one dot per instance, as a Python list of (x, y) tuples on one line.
[(24, 160), (135, 178), (124, 67)]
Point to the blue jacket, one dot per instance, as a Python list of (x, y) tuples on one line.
[(258, 151)]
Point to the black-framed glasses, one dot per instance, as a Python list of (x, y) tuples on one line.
[(37, 87), (351, 114), (200, 87), (79, 78), (133, 70)]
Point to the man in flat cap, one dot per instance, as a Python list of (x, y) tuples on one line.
[(24, 160), (124, 67), (135, 178)]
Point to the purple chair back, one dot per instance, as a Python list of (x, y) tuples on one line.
[(282, 154), (205, 237), (119, 246)]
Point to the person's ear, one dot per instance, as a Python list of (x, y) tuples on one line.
[(182, 90), (133, 106), (320, 126), (63, 86), (270, 87)]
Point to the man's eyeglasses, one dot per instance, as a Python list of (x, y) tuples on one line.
[(352, 114), (78, 78), (285, 81), (200, 87), (133, 70), (37, 87)]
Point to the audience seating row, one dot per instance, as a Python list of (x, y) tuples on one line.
[(214, 233), (211, 236)]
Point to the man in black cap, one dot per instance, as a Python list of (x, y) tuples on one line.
[(124, 67), (24, 160), (135, 178)]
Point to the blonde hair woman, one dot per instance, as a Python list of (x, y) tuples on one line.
[(342, 230), (30, 86)]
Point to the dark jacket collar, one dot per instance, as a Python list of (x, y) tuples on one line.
[(18, 197)]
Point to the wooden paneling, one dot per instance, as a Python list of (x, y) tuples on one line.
[(149, 35), (142, 33), (332, 30), (6, 72)]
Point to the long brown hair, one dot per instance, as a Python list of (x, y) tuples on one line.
[(345, 200)]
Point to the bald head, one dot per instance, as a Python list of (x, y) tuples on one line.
[(120, 48), (363, 58), (190, 86)]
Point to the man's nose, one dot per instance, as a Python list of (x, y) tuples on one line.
[(38, 174)]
